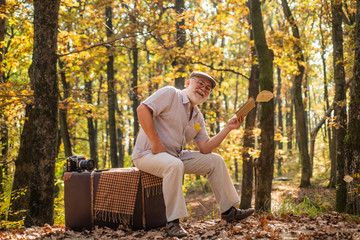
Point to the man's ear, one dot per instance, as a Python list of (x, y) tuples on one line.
[(187, 83)]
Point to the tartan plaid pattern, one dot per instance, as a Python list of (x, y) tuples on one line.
[(116, 195), (152, 184), (148, 180)]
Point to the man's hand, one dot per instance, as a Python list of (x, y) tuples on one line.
[(158, 147), (145, 115), (234, 122), (214, 142)]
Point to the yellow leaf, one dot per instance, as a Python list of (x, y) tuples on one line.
[(197, 127), (264, 96), (348, 179)]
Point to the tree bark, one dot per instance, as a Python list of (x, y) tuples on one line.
[(319, 125), (289, 119), (22, 173), (353, 134), (249, 139), (134, 87), (2, 38), (4, 147), (179, 61), (307, 109), (332, 149), (265, 164), (340, 98), (111, 91), (64, 128), (134, 94), (121, 148), (98, 101), (92, 133), (106, 140), (3, 126), (299, 105), (332, 180), (45, 120), (280, 123)]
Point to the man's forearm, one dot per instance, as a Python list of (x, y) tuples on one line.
[(214, 142)]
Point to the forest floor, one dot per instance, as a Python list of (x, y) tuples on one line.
[(288, 221)]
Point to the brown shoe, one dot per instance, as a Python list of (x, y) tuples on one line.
[(175, 230), (237, 214)]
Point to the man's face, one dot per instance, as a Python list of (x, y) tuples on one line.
[(198, 90)]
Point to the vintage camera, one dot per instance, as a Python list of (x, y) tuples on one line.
[(79, 164)]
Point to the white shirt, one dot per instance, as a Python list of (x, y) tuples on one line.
[(171, 115)]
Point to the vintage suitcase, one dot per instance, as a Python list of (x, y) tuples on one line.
[(125, 196)]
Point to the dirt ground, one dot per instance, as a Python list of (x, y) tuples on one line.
[(202, 206)]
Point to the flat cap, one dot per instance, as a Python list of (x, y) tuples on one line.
[(204, 75)]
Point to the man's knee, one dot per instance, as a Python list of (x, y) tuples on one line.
[(176, 166), (216, 159)]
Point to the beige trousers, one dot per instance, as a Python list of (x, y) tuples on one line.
[(172, 169)]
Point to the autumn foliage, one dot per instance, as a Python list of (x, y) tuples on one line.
[(144, 43)]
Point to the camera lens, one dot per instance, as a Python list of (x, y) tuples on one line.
[(87, 165)]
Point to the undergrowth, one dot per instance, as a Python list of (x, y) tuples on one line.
[(305, 207), (5, 205)]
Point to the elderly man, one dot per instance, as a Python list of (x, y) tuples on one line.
[(170, 119)]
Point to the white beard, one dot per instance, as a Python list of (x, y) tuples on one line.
[(196, 97)]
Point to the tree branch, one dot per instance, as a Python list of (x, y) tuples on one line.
[(98, 45), (322, 121), (221, 69), (349, 18)]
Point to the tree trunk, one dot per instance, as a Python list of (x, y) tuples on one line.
[(64, 132), (3, 126), (111, 91), (179, 61), (340, 98), (134, 95), (236, 166), (265, 164), (289, 120), (249, 139), (106, 140), (4, 146), (299, 105), (134, 87), (45, 123), (131, 140), (92, 133), (218, 103), (353, 135), (64, 128), (332, 180), (332, 152), (2, 39), (120, 137), (280, 123), (120, 147), (22, 173), (319, 125), (98, 101), (307, 109)]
